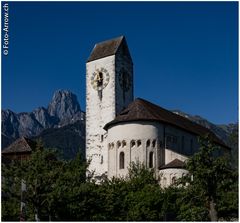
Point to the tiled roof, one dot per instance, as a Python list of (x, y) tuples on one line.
[(106, 48), (174, 164), (19, 146), (142, 110)]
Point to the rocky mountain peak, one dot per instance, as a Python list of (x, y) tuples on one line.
[(42, 116), (64, 104), (63, 109), (10, 123)]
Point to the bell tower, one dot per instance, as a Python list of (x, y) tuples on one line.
[(109, 89)]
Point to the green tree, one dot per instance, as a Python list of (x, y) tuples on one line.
[(170, 207), (233, 143), (11, 194), (55, 189), (74, 194), (58, 190), (137, 197), (144, 199), (210, 190), (39, 173)]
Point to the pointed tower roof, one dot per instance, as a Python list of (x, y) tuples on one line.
[(142, 110), (107, 48)]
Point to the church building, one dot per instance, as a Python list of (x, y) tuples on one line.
[(121, 129)]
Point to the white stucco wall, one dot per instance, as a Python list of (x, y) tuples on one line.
[(167, 176), (144, 131), (186, 144), (123, 98), (98, 113), (138, 133)]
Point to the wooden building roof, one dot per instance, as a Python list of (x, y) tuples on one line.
[(142, 110), (21, 145)]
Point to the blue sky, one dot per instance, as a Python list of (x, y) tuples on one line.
[(185, 54)]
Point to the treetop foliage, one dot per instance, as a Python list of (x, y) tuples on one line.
[(58, 190)]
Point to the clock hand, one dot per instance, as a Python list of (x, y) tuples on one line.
[(96, 78)]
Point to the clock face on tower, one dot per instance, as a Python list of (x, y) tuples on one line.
[(124, 80), (100, 79)]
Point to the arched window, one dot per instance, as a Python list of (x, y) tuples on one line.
[(124, 143), (121, 160), (132, 143), (151, 160), (109, 146), (112, 144), (148, 143), (118, 144), (154, 143), (139, 143)]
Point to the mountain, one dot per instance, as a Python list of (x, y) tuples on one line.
[(68, 140), (44, 118), (6, 140), (10, 124), (65, 107), (222, 131), (62, 110)]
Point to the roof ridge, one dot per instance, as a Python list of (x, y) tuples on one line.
[(113, 39)]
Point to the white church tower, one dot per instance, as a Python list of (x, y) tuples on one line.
[(109, 89)]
